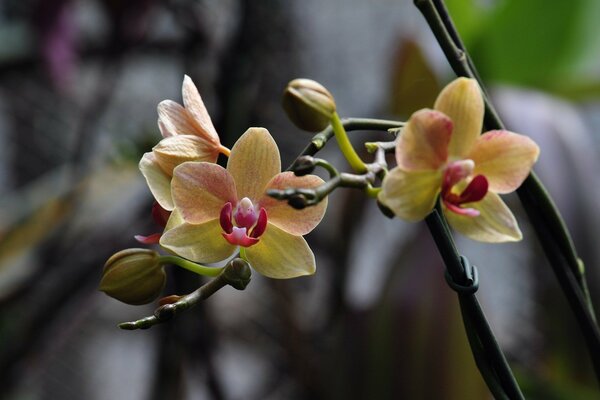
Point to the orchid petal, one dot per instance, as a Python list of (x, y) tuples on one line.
[(174, 119), (199, 116), (504, 158), (254, 160), (411, 195), (423, 143), (201, 189), (462, 102), (174, 150), (494, 224), (175, 219), (158, 181), (286, 217), (281, 255), (164, 131), (200, 243)]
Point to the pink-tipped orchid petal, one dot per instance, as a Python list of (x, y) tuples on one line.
[(199, 116), (505, 158), (245, 214), (423, 142), (200, 243), (462, 102), (158, 181), (150, 239), (261, 224), (254, 160), (175, 150), (200, 190), (494, 224), (225, 218), (239, 237), (281, 255), (284, 216), (411, 195), (174, 119)]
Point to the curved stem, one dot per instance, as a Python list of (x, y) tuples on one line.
[(191, 266), (346, 146)]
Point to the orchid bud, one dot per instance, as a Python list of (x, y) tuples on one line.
[(237, 274), (133, 276), (308, 104), (304, 165)]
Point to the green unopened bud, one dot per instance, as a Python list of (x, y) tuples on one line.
[(304, 165), (308, 104), (133, 276), (237, 274)]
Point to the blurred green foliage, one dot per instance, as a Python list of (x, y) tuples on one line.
[(550, 45)]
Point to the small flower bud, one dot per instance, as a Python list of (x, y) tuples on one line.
[(298, 201), (237, 274), (308, 104), (303, 166), (133, 276)]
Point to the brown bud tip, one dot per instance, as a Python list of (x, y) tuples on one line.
[(303, 166), (308, 104), (133, 276)]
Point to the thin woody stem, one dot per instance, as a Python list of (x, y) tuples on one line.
[(539, 206)]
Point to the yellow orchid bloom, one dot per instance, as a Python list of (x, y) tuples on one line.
[(219, 211), (189, 135), (441, 152)]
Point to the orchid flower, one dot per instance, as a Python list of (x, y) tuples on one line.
[(189, 135), (441, 152), (219, 211)]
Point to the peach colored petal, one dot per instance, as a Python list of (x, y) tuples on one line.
[(284, 216), (200, 243), (254, 160), (423, 143), (495, 223), (175, 219), (281, 255), (175, 119), (504, 158), (411, 195), (200, 190), (158, 181), (175, 150), (163, 129), (197, 111), (461, 100)]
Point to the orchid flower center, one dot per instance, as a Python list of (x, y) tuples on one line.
[(243, 226), (458, 173)]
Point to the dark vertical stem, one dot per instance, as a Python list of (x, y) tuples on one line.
[(545, 217)]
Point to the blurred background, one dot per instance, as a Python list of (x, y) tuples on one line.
[(79, 85)]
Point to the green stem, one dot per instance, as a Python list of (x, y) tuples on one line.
[(191, 266), (346, 146)]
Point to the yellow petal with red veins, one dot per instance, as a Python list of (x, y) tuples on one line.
[(201, 189), (254, 160), (462, 102), (158, 181), (175, 150), (411, 195), (200, 243), (199, 116), (281, 255), (495, 223), (286, 217), (504, 158), (174, 119), (423, 142)]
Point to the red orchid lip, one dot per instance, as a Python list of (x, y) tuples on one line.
[(248, 227)]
